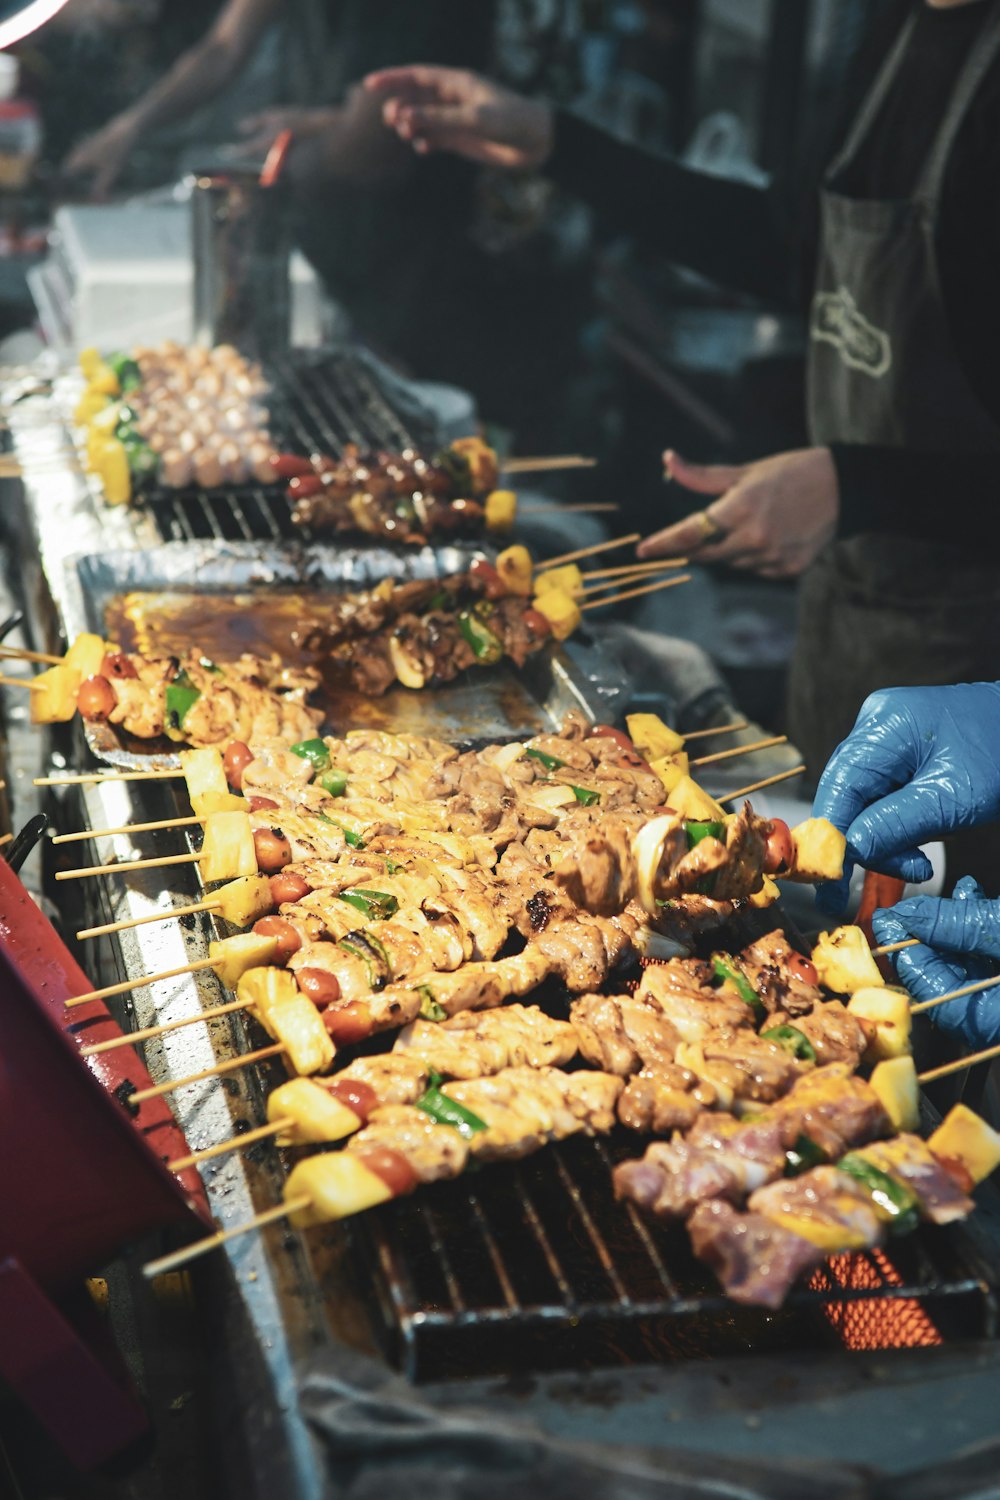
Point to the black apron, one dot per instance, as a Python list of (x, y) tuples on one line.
[(876, 610)]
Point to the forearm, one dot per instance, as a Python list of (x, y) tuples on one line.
[(732, 232), (898, 492)]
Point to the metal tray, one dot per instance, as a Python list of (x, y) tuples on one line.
[(476, 708)]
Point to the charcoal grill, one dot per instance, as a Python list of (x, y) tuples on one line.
[(319, 403), (519, 1267)]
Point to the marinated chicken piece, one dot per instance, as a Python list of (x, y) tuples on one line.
[(433, 1151), (747, 1065), (658, 1101), (394, 1078), (773, 967), (445, 941), (621, 1034), (472, 1044), (140, 708), (696, 1013), (743, 871), (675, 1176), (523, 1108), (833, 1032), (575, 951), (600, 875)]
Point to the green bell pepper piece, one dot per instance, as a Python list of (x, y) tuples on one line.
[(430, 1010), (333, 781), (128, 372), (793, 1040), (352, 839), (377, 905), (550, 762), (363, 945), (446, 1111), (697, 831), (486, 647), (802, 1156), (585, 795), (894, 1202), (314, 751), (727, 969), (181, 696)]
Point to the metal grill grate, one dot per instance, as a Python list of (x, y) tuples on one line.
[(319, 403)]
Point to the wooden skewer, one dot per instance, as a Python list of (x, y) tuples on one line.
[(125, 865), (244, 1060), (92, 778), (956, 1067), (893, 947), (5, 838), (17, 653), (235, 1143), (22, 682), (588, 508), (708, 760), (568, 557), (703, 734), (650, 588), (544, 465), (202, 1247), (129, 1039), (758, 786), (624, 581), (106, 833), (138, 984), (156, 916), (967, 989), (637, 568)]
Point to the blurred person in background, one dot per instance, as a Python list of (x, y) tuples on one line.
[(886, 514)]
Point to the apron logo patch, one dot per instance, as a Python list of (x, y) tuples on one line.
[(834, 319)]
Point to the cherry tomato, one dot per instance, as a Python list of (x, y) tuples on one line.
[(355, 1093), (348, 1023), (319, 986), (778, 848), (487, 576), (117, 665), (235, 760), (95, 698), (262, 804), (288, 887), (629, 754), (274, 851), (289, 465), (289, 941), (391, 1167), (801, 968), (536, 622)]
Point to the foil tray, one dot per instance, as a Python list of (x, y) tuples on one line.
[(479, 707)]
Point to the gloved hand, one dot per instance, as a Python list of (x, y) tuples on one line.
[(919, 762), (968, 924)]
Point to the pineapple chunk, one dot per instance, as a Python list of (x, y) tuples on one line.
[(318, 1115), (884, 1017), (52, 699), (232, 957), (336, 1184), (692, 801), (835, 1238), (265, 989), (203, 772), (500, 510), (561, 611), (86, 655), (671, 770), (844, 961), (204, 804), (964, 1137), (767, 895), (227, 849), (651, 737), (296, 1023), (516, 569), (568, 579), (817, 851), (406, 666), (895, 1083), (243, 901)]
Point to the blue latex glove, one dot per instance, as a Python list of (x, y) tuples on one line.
[(919, 763), (966, 931)]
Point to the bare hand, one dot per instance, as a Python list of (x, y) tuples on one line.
[(259, 130), (102, 156), (448, 109), (774, 516)]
